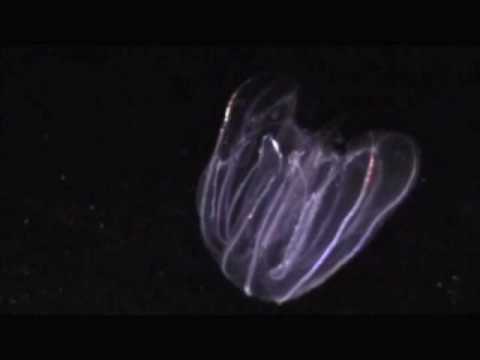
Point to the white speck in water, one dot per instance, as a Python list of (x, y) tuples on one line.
[(439, 284), (101, 225), (12, 301), (25, 271), (26, 221), (91, 207), (455, 278), (62, 177)]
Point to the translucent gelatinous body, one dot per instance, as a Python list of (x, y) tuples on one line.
[(280, 210)]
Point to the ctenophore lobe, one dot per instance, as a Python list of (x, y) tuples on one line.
[(280, 209)]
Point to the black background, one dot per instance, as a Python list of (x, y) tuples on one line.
[(102, 147)]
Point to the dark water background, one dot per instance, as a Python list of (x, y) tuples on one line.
[(101, 149)]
